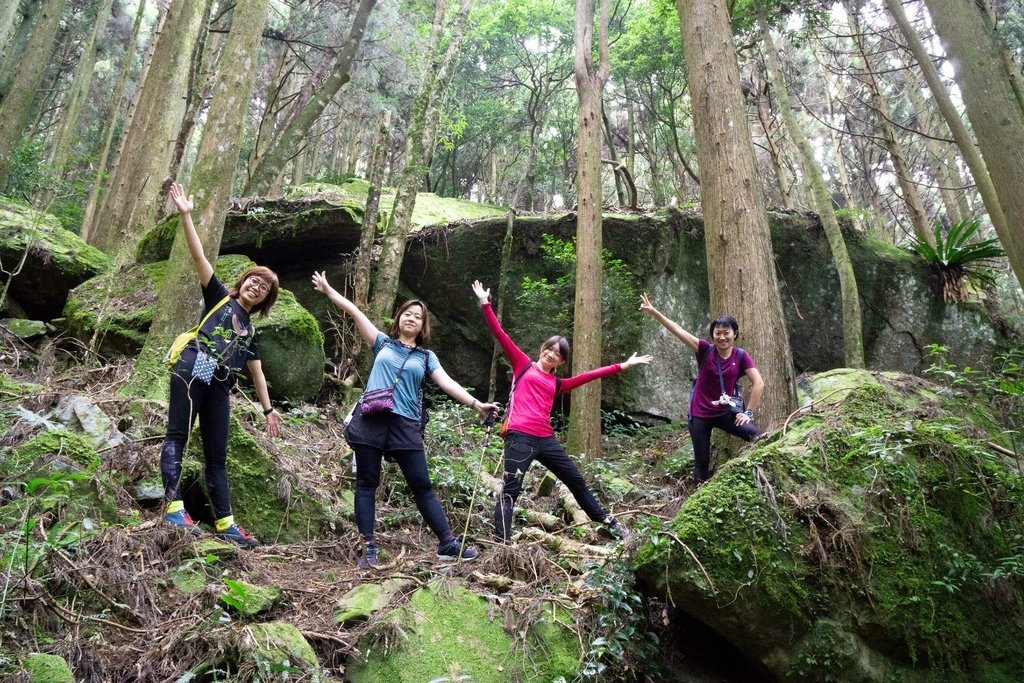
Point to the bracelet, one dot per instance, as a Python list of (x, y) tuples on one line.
[(474, 404), (268, 411), (749, 413)]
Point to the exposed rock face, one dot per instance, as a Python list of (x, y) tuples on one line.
[(56, 260), (878, 539)]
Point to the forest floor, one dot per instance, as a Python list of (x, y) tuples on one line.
[(101, 594)]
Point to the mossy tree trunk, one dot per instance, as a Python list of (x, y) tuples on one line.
[(741, 268), (110, 126), (286, 141), (8, 21), (17, 102), (585, 415), (130, 205), (419, 141), (940, 94), (992, 109), (853, 337), (770, 125), (15, 46), (212, 177)]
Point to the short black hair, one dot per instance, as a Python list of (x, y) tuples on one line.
[(724, 321)]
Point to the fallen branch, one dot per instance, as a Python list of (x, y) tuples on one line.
[(803, 410), (569, 504), (563, 545)]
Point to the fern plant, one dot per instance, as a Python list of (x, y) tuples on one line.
[(960, 260)]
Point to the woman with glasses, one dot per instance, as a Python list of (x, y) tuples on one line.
[(202, 378), (720, 364), (527, 423)]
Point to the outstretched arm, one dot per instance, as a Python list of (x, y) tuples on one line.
[(455, 390), (515, 355), (570, 383), (188, 229), (363, 324), (647, 307)]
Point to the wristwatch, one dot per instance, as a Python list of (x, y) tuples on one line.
[(268, 411), (749, 413)]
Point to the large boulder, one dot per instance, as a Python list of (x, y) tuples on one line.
[(663, 254), (118, 309), (878, 538), (56, 260)]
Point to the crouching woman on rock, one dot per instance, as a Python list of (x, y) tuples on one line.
[(387, 421), (719, 367), (204, 374)]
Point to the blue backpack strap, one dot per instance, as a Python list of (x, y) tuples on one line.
[(740, 353)]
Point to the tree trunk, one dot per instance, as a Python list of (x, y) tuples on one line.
[(964, 140), (741, 269), (17, 104), (585, 415), (620, 191), (992, 110), (361, 285), (15, 49), (76, 97), (504, 280), (1011, 67), (8, 21), (286, 142), (110, 127), (770, 124), (853, 338), (904, 175), (419, 140), (212, 175), (837, 150), (131, 204)]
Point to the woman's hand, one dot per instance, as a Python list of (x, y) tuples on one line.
[(482, 295), (486, 409), (184, 204), (646, 306), (636, 360), (320, 283), (744, 418), (273, 424)]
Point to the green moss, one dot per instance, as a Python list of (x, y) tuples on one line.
[(365, 599), (206, 547), (44, 668), (276, 644), (55, 443), (24, 329), (259, 599), (188, 581)]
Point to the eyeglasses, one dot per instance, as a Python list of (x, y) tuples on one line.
[(259, 285)]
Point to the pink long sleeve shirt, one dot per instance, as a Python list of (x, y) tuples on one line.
[(533, 394)]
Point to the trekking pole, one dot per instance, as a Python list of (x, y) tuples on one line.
[(489, 423)]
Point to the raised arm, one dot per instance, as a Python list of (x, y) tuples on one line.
[(515, 355), (455, 390), (647, 307), (363, 324), (570, 383), (195, 247)]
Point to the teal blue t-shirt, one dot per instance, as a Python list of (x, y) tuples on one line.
[(388, 355)]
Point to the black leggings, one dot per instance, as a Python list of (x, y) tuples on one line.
[(414, 467), (520, 452), (211, 403), (700, 435)]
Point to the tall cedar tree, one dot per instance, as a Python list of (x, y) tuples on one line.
[(212, 176), (424, 113), (131, 202), (998, 122), (585, 416), (17, 102), (741, 268), (853, 338)]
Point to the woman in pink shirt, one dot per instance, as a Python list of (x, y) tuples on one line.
[(528, 432)]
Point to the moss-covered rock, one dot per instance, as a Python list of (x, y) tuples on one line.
[(448, 633), (278, 646), (877, 539), (367, 598), (43, 668), (271, 506), (58, 260), (664, 254), (119, 306), (255, 600), (25, 330)]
